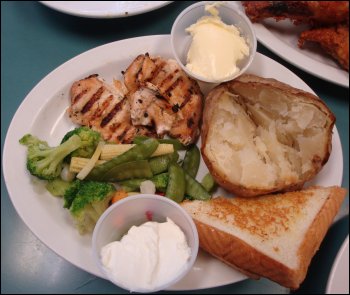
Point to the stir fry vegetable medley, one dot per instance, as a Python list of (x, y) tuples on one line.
[(89, 174)]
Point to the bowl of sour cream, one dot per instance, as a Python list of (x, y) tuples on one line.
[(213, 41), (145, 243)]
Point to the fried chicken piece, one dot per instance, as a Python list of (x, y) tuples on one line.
[(300, 12), (334, 40)]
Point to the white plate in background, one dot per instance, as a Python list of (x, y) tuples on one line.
[(282, 38), (338, 282), (104, 9), (43, 113)]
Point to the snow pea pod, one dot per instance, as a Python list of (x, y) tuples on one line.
[(128, 170), (194, 189), (176, 183), (160, 181), (192, 160), (161, 164), (175, 142), (208, 182), (140, 151), (131, 185)]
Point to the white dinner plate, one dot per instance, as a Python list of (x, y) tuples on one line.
[(104, 9), (43, 113), (282, 38), (338, 282)]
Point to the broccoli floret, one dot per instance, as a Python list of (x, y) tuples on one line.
[(58, 187), (161, 181), (89, 138), (44, 161), (90, 201), (70, 193)]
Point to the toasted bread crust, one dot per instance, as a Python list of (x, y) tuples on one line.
[(245, 257), (317, 232), (254, 82)]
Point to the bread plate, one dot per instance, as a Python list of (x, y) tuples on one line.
[(43, 113)]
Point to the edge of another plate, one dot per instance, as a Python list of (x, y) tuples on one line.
[(296, 56), (108, 13), (333, 286)]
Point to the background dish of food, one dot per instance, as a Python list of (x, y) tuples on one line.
[(104, 9), (43, 113), (282, 38)]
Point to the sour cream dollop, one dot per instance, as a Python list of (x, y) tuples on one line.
[(216, 47), (148, 256)]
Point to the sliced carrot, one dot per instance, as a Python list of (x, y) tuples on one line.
[(119, 194)]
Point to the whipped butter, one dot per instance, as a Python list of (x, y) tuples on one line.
[(216, 47), (148, 256)]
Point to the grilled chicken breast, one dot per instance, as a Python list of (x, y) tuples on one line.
[(104, 108), (160, 93), (156, 98)]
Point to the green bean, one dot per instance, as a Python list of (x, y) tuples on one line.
[(139, 152), (192, 160), (128, 170), (194, 189), (176, 184), (161, 164), (175, 142), (208, 182)]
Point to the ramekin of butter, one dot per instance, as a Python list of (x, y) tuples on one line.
[(145, 243), (213, 41)]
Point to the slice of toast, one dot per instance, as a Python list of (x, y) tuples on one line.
[(273, 236)]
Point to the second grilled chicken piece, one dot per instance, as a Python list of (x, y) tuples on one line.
[(104, 108), (160, 93)]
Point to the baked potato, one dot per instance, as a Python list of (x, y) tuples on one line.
[(260, 135)]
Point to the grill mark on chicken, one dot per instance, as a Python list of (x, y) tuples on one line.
[(111, 114), (131, 73), (101, 108), (186, 99), (167, 80), (148, 67), (121, 136), (94, 98), (157, 70), (168, 91), (79, 95)]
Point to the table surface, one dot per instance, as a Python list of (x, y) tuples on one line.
[(36, 40)]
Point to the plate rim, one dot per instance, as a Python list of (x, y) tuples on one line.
[(53, 73)]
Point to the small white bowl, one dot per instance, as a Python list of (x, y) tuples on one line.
[(135, 210), (231, 15)]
